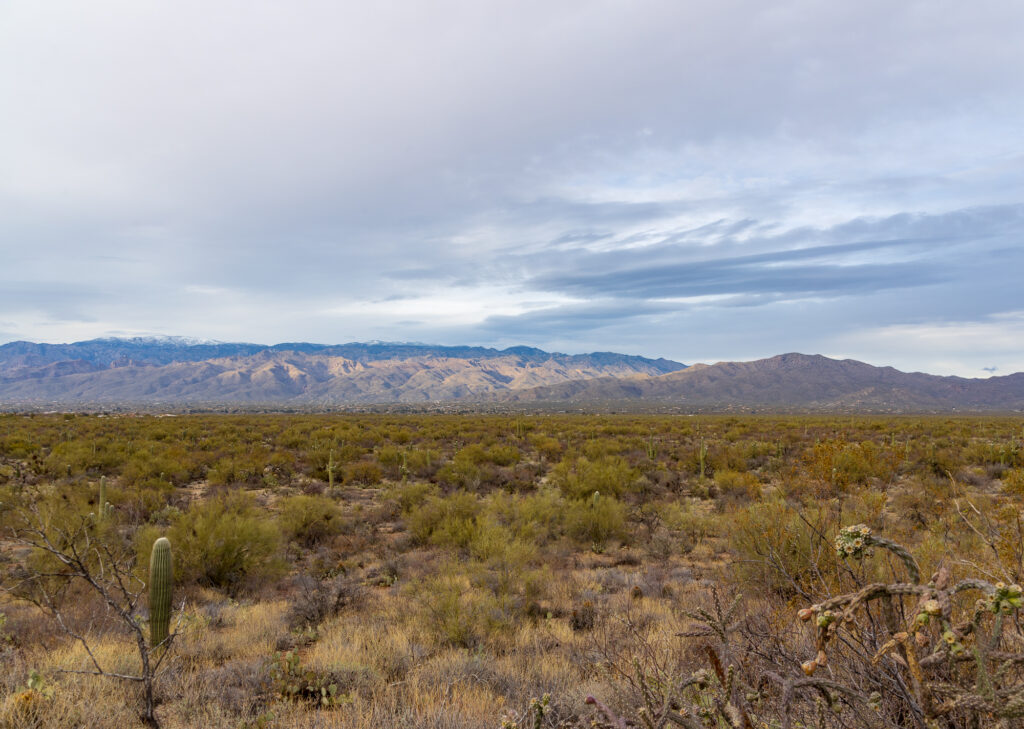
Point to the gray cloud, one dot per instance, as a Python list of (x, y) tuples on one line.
[(938, 249), (519, 172)]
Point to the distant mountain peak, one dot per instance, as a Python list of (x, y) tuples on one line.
[(157, 339)]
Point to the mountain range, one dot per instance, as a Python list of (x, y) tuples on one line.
[(176, 372)]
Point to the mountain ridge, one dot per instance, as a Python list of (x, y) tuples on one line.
[(810, 382), (146, 371), (180, 372)]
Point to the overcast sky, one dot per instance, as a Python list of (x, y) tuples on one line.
[(701, 181)]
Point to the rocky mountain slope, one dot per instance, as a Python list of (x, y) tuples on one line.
[(794, 382), (176, 371)]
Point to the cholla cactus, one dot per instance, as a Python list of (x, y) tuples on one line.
[(933, 639), (855, 542), (1005, 599), (852, 541)]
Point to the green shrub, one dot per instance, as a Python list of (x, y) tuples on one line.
[(366, 473), (309, 520), (454, 612), (501, 455), (445, 521), (157, 464), (595, 521), (547, 447), (581, 477), (225, 542), (411, 494), (422, 462), (690, 526), (392, 461), (463, 471), (246, 469), (538, 517)]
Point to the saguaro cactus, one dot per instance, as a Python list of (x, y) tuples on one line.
[(101, 505), (161, 581)]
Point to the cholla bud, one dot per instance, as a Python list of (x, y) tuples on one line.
[(809, 667)]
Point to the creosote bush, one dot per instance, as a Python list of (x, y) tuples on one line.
[(309, 520), (225, 542)]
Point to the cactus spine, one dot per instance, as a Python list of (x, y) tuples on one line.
[(161, 581)]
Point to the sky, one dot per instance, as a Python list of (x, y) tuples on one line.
[(697, 180)]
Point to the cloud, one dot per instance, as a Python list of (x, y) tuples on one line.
[(901, 252), (691, 179), (956, 346)]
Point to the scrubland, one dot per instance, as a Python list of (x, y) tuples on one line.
[(486, 571)]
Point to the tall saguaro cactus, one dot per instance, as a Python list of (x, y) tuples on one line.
[(101, 506), (161, 581)]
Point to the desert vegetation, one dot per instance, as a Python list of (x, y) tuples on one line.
[(511, 570)]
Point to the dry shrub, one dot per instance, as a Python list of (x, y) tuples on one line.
[(738, 486), (784, 549), (314, 601)]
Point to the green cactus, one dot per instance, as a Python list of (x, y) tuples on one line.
[(161, 581), (102, 507), (856, 541), (330, 470)]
